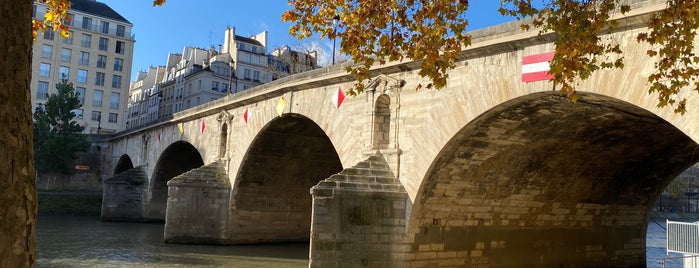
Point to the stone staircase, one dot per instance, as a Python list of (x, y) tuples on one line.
[(211, 176), (370, 175), (134, 176)]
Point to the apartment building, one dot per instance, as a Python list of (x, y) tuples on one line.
[(285, 61), (96, 58), (144, 97), (249, 59)]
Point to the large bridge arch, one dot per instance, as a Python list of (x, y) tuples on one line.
[(539, 181), (123, 164), (271, 201), (179, 157)]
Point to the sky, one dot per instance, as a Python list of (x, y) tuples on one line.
[(168, 29)]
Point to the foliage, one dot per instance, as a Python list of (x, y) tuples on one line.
[(433, 32), (57, 137)]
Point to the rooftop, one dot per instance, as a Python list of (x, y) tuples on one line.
[(96, 8)]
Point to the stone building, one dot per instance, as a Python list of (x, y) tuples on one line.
[(96, 58), (144, 97), (284, 61)]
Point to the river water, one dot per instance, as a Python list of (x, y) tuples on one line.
[(69, 241)]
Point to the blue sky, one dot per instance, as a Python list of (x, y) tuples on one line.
[(167, 29)]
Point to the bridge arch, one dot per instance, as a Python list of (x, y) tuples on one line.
[(123, 164), (179, 157), (538, 181), (271, 201)]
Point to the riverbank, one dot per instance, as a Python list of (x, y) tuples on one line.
[(70, 203), (675, 216)]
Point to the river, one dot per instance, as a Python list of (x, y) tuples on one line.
[(68, 241)]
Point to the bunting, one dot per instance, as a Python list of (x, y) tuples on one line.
[(280, 106), (203, 126), (180, 128), (246, 115), (536, 67), (338, 97)]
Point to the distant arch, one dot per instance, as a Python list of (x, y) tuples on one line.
[(176, 159), (123, 164)]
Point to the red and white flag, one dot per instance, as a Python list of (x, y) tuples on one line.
[(160, 135), (338, 97), (203, 126), (246, 115), (536, 67)]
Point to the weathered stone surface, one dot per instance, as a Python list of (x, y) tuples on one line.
[(357, 219), (197, 206), (124, 195), (488, 154)]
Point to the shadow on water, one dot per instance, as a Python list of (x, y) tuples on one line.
[(87, 242)]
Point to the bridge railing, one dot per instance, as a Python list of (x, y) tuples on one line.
[(683, 237)]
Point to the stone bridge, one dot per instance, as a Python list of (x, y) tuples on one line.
[(487, 172)]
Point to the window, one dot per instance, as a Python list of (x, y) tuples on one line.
[(65, 55), (214, 85), (63, 72), (120, 30), (101, 61), (224, 87), (87, 23), (48, 33), (104, 44), (80, 92), (69, 40), (255, 59), (116, 81), (86, 41), (82, 76), (247, 74), (256, 76), (120, 47), (96, 116), (42, 90), (114, 101), (105, 27), (84, 58), (113, 117), (46, 51), (44, 70), (199, 85), (99, 79), (78, 113), (34, 11), (69, 19), (254, 49), (97, 98), (118, 64)]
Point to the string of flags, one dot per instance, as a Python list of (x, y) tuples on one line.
[(337, 99)]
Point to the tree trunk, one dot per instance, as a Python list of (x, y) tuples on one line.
[(18, 197)]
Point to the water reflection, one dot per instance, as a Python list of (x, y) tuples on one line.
[(64, 241), (86, 242)]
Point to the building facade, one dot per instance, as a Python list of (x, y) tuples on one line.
[(96, 58), (197, 76)]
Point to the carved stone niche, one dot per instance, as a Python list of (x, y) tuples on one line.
[(384, 84), (224, 117)]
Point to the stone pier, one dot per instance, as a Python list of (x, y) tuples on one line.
[(359, 217), (123, 196), (197, 206)]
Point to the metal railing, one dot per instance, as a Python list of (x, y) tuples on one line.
[(683, 237)]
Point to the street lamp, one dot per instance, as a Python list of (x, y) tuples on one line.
[(336, 19)]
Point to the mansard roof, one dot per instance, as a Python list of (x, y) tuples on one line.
[(96, 8)]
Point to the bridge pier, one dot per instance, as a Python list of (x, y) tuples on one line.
[(197, 206), (123, 196), (359, 217)]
